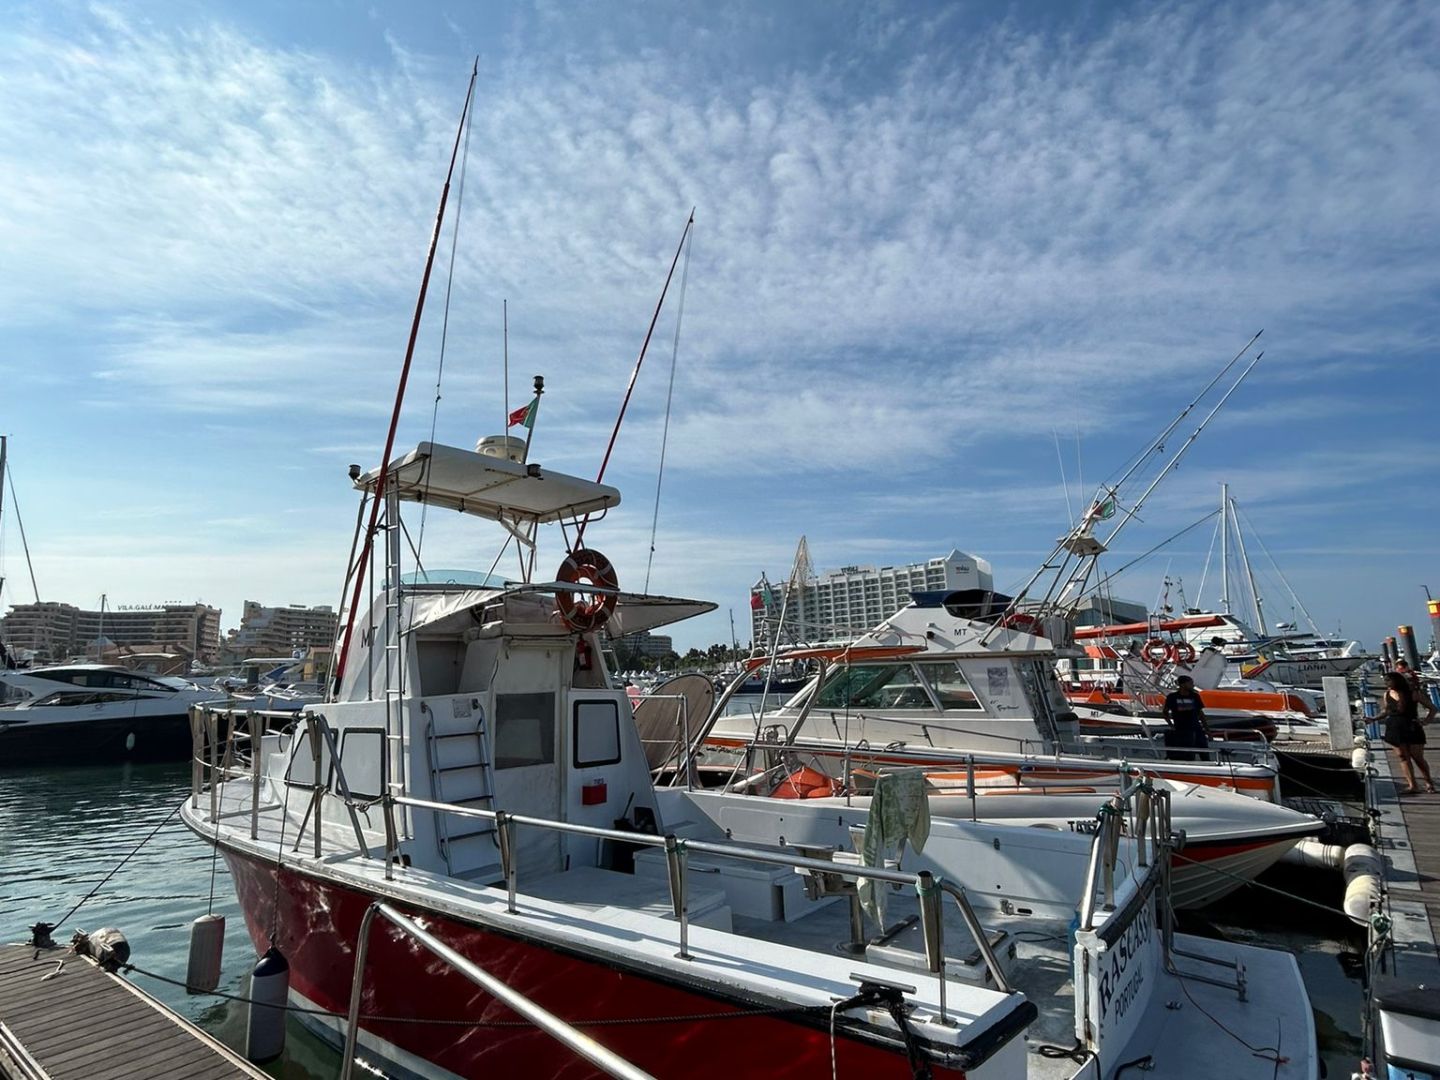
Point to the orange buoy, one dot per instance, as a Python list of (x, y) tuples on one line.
[(804, 783), (1182, 652)]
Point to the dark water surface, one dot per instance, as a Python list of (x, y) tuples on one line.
[(62, 830)]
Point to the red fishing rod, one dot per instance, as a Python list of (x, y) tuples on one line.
[(400, 390)]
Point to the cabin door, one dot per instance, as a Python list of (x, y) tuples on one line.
[(527, 774)]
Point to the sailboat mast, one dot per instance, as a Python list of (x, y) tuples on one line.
[(1225, 548), (1249, 572)]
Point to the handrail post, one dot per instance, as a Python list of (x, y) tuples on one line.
[(675, 865), (932, 925), (505, 833), (970, 786), (357, 985), (257, 737), (392, 842), (212, 728), (972, 923), (196, 749), (315, 791), (1092, 875)]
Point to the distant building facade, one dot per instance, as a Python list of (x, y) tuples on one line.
[(849, 601), (57, 631), (282, 631)]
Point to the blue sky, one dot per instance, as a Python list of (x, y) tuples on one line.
[(930, 240)]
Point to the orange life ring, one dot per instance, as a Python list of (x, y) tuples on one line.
[(1156, 651), (1022, 621), (1182, 652), (804, 783), (586, 611)]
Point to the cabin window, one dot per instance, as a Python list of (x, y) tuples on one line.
[(951, 688), (524, 730), (362, 757), (874, 686), (597, 733)]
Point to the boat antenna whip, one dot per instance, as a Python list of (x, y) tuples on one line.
[(378, 495), (635, 372)]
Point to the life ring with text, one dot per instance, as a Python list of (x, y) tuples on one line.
[(805, 783), (1021, 621), (586, 611), (1182, 652), (1156, 651)]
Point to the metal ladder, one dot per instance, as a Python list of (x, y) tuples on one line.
[(461, 774)]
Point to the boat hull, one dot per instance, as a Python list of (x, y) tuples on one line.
[(452, 1028), (25, 741)]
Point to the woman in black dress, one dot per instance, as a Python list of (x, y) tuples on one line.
[(1404, 731)]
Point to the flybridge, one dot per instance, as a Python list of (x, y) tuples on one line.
[(489, 487)]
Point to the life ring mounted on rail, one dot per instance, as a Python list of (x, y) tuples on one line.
[(1155, 651), (1182, 652), (586, 611)]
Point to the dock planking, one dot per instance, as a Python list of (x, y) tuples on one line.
[(85, 1023)]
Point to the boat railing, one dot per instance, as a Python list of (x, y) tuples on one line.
[(225, 746), (677, 851), (583, 1045)]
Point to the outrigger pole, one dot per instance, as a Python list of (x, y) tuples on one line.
[(379, 492), (635, 373), (1079, 543)]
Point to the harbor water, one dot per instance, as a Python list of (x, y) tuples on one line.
[(62, 830)]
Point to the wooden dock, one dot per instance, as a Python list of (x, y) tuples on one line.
[(1410, 844), (73, 1021)]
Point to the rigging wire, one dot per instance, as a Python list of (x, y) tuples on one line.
[(20, 522), (1205, 573), (669, 397), (1069, 510)]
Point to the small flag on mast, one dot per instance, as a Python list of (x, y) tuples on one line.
[(525, 415)]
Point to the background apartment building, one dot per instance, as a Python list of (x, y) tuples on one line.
[(57, 631), (282, 631), (849, 601)]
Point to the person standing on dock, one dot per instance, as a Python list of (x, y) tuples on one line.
[(1185, 713), (1417, 688), (1404, 731)]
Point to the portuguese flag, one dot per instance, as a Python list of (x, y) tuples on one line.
[(525, 415)]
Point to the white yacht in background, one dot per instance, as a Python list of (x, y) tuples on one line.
[(95, 712)]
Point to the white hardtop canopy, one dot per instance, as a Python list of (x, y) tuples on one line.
[(490, 487), (433, 609)]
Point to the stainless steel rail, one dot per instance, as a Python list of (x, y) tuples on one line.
[(677, 849), (582, 1044)]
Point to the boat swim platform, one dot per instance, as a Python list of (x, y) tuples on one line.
[(63, 1017), (1409, 842)]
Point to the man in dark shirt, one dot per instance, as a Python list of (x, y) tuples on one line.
[(1185, 713)]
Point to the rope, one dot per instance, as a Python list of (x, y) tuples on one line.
[(121, 864), (1268, 1053)]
